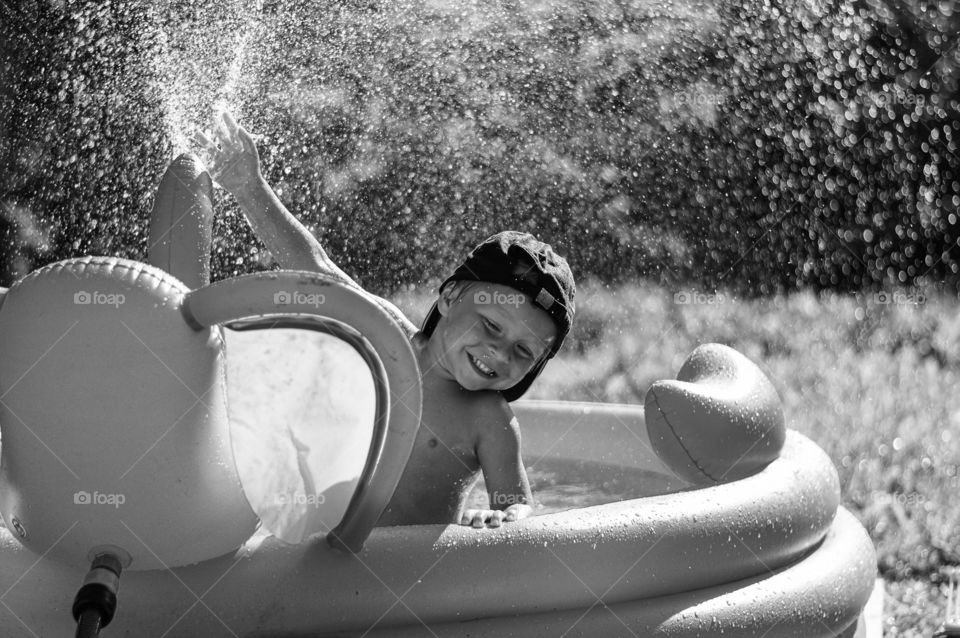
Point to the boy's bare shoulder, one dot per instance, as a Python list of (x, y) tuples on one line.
[(484, 412), (493, 415)]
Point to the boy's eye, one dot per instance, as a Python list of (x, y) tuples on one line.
[(492, 327), (525, 352)]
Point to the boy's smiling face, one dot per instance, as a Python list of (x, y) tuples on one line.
[(489, 336)]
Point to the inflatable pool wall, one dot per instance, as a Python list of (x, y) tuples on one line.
[(771, 553), (764, 549)]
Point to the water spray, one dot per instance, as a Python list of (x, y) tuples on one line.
[(96, 601), (951, 622)]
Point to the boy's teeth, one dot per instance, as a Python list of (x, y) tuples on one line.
[(482, 367)]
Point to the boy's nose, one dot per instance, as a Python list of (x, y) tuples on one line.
[(496, 354)]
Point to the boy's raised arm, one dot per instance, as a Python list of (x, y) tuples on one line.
[(235, 166)]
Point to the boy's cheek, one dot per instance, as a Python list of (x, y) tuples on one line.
[(465, 333), (516, 375)]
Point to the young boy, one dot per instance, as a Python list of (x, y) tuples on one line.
[(497, 321)]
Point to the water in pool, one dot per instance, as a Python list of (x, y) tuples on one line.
[(563, 484)]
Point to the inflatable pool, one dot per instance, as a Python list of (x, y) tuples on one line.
[(132, 426)]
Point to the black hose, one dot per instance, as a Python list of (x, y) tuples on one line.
[(88, 626), (96, 601)]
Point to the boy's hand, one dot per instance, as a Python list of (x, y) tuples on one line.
[(493, 518), (232, 156)]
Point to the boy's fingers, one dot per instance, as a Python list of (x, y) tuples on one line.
[(235, 131), (483, 518), (516, 512), (203, 140), (245, 139), (222, 132), (230, 122)]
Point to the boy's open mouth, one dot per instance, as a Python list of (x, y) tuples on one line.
[(481, 367)]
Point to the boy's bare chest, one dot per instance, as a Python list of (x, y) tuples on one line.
[(446, 434)]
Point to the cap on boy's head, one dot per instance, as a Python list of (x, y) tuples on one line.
[(525, 263)]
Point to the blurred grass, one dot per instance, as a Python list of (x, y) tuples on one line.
[(873, 383)]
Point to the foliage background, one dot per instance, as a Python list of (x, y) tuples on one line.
[(795, 159), (743, 145)]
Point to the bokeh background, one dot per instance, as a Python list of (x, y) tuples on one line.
[(781, 177)]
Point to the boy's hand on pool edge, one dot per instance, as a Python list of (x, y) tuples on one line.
[(494, 518)]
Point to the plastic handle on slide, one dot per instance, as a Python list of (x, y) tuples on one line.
[(393, 365)]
